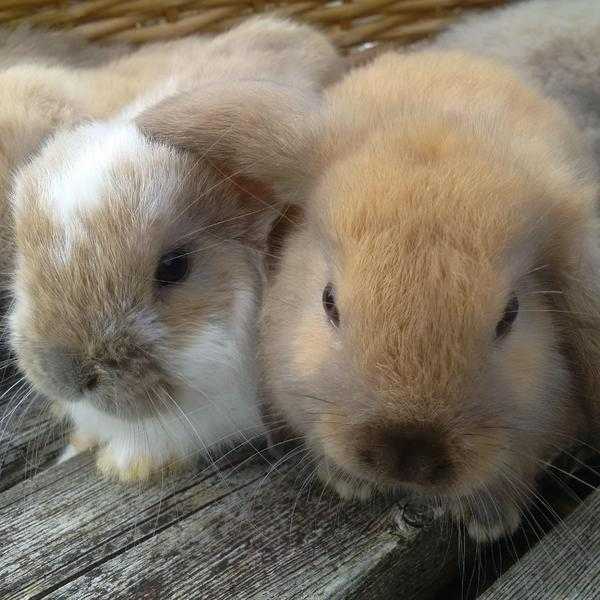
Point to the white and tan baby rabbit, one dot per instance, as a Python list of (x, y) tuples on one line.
[(434, 323), (140, 246)]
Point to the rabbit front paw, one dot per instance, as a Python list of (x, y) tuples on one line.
[(346, 486), (486, 523), (117, 463), (78, 443)]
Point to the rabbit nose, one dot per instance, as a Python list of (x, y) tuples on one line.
[(67, 373), (415, 454), (89, 379)]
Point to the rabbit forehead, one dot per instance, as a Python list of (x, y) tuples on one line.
[(80, 172), (101, 185), (434, 242), (82, 182), (439, 185)]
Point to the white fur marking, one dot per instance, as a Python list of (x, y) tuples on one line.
[(82, 181), (216, 409)]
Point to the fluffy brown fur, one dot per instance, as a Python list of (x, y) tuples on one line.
[(50, 81), (444, 187), (105, 283), (555, 44)]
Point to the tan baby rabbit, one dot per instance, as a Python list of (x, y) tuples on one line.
[(434, 323), (139, 263)]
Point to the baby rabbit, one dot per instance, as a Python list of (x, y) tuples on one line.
[(554, 43), (140, 243), (434, 323), (50, 81)]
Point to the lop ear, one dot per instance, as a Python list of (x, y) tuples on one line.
[(578, 307), (252, 131)]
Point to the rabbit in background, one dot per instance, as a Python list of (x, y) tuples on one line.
[(553, 44)]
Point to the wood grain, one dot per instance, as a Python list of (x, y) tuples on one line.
[(242, 532), (30, 439), (237, 534), (565, 565)]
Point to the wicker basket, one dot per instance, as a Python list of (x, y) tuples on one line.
[(352, 24)]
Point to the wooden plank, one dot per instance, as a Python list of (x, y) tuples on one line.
[(30, 438), (33, 444), (238, 534), (565, 565)]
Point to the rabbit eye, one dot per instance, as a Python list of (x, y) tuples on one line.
[(329, 305), (172, 268), (508, 318)]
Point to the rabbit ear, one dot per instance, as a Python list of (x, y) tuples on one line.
[(256, 132), (578, 306)]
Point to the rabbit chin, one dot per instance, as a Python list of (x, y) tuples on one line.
[(216, 409)]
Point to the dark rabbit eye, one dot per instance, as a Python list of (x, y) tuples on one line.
[(329, 305), (508, 318), (172, 268)]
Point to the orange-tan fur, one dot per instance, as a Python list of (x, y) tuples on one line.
[(443, 185)]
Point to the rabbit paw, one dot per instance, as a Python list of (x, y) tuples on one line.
[(118, 464), (346, 486), (486, 523), (78, 443)]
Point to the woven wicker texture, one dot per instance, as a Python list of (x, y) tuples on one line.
[(350, 23)]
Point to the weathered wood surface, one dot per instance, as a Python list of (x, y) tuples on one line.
[(30, 440), (211, 538), (564, 566), (245, 532), (236, 534)]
